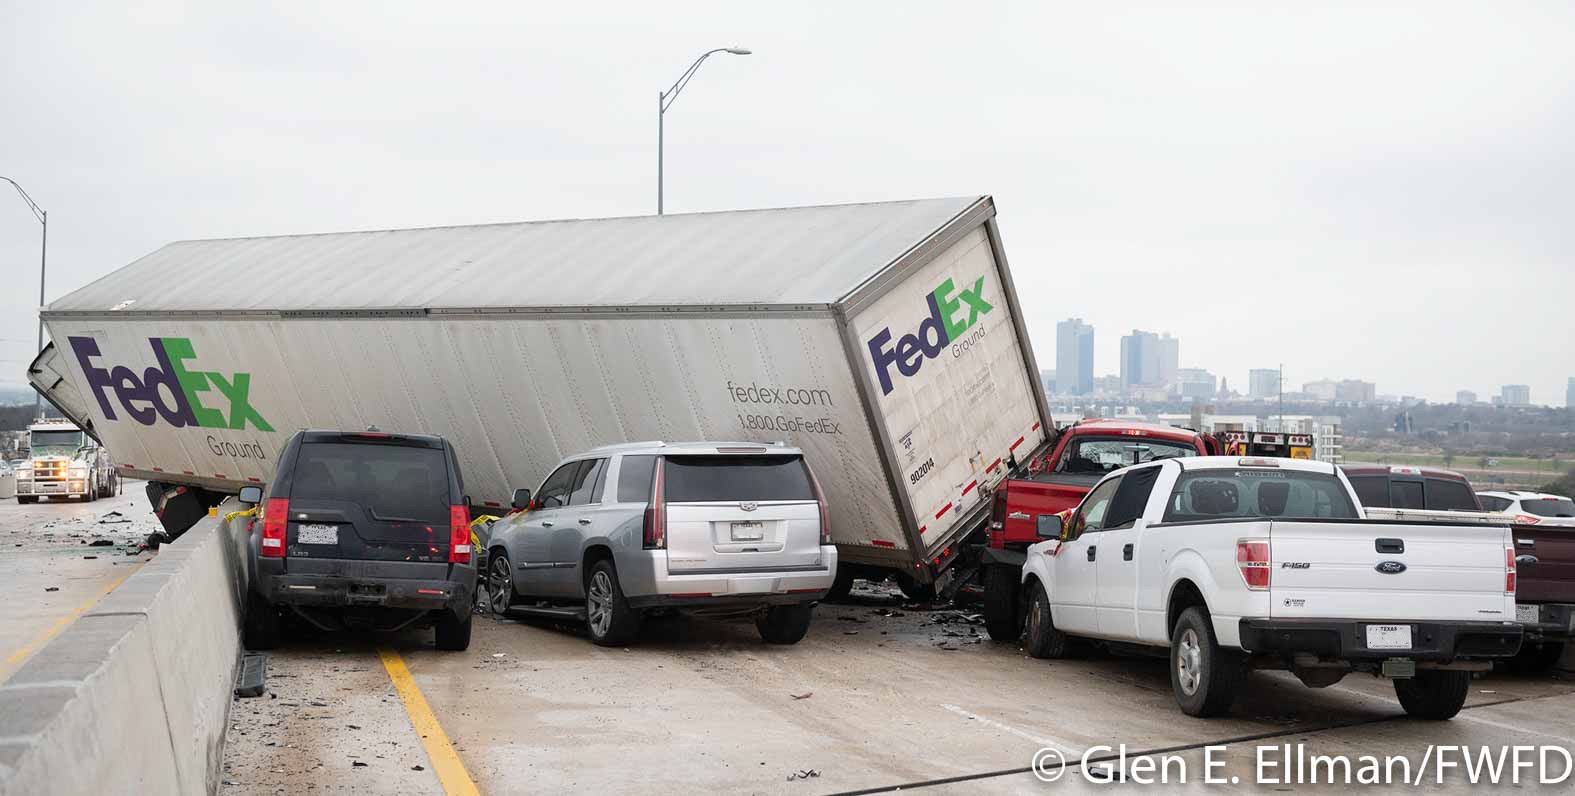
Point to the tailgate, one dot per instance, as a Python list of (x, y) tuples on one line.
[(1545, 558), (1379, 570), (730, 537)]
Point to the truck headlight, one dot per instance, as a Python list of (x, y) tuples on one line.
[(78, 472), (24, 474)]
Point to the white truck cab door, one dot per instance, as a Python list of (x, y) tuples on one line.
[(1074, 590), (1117, 570)]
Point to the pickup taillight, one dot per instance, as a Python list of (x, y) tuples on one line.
[(1252, 559), (998, 507), (1509, 569), (458, 535), (276, 518)]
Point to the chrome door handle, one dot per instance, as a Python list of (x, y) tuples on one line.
[(584, 521), (546, 523)]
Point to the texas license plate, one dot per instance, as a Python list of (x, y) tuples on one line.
[(1525, 613), (748, 531), (1389, 637), (313, 533)]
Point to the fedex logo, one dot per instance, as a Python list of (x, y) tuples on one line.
[(945, 324), (142, 400)]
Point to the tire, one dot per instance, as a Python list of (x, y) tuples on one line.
[(261, 629), (785, 624), (841, 586), (500, 582), (612, 623), (1041, 639), (1535, 657), (914, 590), (26, 499), (452, 633), (1003, 615), (1204, 677), (1434, 695)]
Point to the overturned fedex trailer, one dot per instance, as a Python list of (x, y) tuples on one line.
[(883, 339)]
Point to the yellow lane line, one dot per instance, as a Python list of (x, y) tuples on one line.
[(60, 624), (446, 764)]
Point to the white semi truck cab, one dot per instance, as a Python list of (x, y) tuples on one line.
[(63, 462)]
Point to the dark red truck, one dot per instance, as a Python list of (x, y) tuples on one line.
[(1080, 455), (1545, 594)]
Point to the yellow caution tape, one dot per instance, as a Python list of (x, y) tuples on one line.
[(251, 512)]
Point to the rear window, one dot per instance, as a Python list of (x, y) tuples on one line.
[(1094, 455), (1257, 494), (1372, 490), (698, 479), (390, 481), (1549, 507), (1406, 495), (1447, 495)]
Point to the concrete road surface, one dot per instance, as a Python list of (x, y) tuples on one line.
[(50, 570), (866, 701)]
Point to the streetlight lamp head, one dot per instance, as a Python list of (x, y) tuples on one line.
[(738, 50)]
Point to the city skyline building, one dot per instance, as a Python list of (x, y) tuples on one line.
[(1074, 357)]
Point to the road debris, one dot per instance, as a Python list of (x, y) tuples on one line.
[(113, 518), (803, 774), (51, 588), (101, 542), (805, 695)]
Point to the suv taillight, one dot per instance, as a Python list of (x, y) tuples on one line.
[(820, 498), (1252, 558), (1509, 570), (655, 529), (276, 517), (458, 535), (1525, 519)]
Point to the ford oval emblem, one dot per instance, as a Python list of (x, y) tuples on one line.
[(1390, 567), (748, 505)]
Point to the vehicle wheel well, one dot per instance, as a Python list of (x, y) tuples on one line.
[(593, 554), (1185, 594)]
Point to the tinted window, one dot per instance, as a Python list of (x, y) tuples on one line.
[(634, 478), (53, 440), (583, 490), (1372, 490), (1490, 503), (390, 481), (1132, 497), (1108, 455), (555, 490), (694, 479), (1406, 495), (1553, 507), (1257, 494), (1449, 495), (1091, 515)]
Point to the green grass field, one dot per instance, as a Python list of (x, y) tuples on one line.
[(1505, 463)]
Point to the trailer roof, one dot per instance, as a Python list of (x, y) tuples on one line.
[(798, 255)]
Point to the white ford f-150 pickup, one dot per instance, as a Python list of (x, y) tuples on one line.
[(1238, 564)]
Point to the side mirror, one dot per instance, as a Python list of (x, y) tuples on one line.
[(251, 495), (521, 499), (1050, 526)]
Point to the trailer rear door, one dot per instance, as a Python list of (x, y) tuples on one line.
[(950, 381)]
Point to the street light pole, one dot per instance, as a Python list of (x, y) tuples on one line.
[(665, 99), (43, 260)]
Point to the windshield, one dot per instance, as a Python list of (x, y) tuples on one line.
[(391, 481), (1104, 455), (1549, 507), (1252, 493), (55, 443), (698, 479)]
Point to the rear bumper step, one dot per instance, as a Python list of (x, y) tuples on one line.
[(1555, 622), (1347, 639)]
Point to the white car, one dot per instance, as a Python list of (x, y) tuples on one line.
[(1238, 564), (1530, 508)]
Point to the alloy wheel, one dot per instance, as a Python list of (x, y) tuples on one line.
[(598, 604), (500, 586), (1189, 661)]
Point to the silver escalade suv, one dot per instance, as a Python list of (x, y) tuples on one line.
[(704, 528)]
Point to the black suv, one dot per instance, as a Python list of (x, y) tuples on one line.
[(362, 529)]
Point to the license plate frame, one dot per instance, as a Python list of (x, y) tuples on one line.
[(1527, 614), (747, 531), (1388, 637), (317, 534)]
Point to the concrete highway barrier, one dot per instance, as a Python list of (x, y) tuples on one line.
[(134, 696)]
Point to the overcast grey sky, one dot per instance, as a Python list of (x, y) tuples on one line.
[(1382, 193)]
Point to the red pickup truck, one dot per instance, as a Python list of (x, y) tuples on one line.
[(1080, 455)]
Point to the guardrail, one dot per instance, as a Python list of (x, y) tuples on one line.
[(134, 696)]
